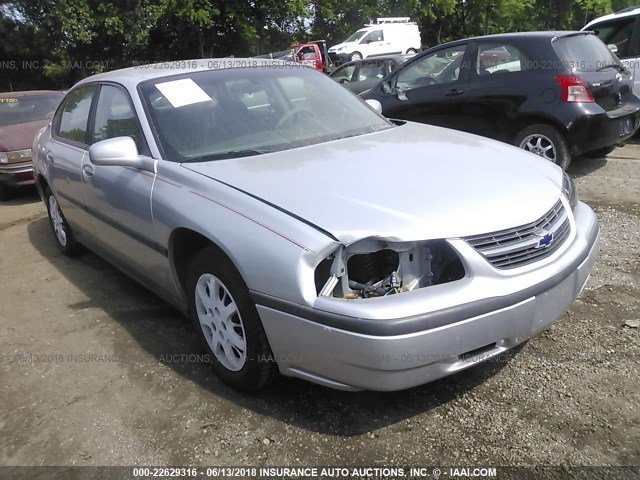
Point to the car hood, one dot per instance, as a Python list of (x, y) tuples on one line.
[(19, 136), (339, 45), (411, 182)]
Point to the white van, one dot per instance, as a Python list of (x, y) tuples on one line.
[(390, 35)]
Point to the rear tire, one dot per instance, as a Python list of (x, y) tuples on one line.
[(227, 323), (62, 232), (601, 152), (545, 141)]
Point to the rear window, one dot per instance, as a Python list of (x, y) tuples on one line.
[(584, 52)]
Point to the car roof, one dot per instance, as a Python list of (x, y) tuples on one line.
[(31, 93), (625, 12), (132, 76), (551, 34), (400, 58)]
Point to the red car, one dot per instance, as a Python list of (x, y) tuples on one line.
[(22, 114)]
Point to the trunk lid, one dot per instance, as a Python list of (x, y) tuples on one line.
[(609, 81)]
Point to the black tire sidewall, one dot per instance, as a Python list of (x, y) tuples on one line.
[(563, 154), (71, 247), (351, 57), (259, 368)]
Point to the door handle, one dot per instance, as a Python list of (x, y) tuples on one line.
[(49, 157), (454, 91), (87, 170)]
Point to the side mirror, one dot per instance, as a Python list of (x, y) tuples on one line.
[(374, 104), (120, 152), (613, 48), (387, 88)]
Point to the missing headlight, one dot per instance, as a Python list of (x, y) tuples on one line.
[(379, 268)]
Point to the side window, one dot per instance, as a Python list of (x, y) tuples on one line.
[(371, 69), (500, 58), (375, 36), (618, 33), (344, 74), (442, 66), (72, 118), (115, 117)]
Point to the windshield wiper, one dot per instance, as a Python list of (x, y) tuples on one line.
[(228, 154), (620, 68)]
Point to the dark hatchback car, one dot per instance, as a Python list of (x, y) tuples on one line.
[(360, 75), (22, 114), (556, 94)]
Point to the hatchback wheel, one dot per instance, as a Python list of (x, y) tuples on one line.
[(227, 323), (65, 239), (355, 56), (547, 142)]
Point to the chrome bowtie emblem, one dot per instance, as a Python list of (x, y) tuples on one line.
[(546, 238)]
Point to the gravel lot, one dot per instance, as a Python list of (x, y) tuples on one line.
[(569, 396)]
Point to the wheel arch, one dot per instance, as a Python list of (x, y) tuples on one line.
[(184, 244), (41, 185), (516, 125)]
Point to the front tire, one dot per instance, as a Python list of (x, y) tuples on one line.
[(355, 56), (411, 51), (62, 232), (227, 323), (546, 142)]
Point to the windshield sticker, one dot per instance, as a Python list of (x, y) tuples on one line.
[(8, 100), (183, 92)]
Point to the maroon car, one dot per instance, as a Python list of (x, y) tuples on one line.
[(22, 114)]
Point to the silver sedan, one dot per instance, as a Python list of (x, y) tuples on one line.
[(305, 234)]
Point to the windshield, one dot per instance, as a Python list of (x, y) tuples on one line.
[(356, 36), (584, 52), (228, 113), (28, 108)]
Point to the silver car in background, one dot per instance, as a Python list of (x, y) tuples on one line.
[(303, 233)]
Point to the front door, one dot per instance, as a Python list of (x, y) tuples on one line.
[(119, 198), (431, 89)]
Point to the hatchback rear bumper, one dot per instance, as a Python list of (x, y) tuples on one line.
[(593, 132)]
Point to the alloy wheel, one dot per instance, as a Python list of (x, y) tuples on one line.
[(221, 322), (540, 145), (57, 220)]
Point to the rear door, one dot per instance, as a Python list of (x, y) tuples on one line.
[(432, 88), (119, 198), (65, 151)]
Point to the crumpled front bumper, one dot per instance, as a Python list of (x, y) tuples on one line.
[(353, 353)]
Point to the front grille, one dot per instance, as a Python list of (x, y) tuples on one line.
[(526, 244)]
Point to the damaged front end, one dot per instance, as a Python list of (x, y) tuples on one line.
[(376, 268)]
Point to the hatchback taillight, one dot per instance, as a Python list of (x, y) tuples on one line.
[(574, 89)]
